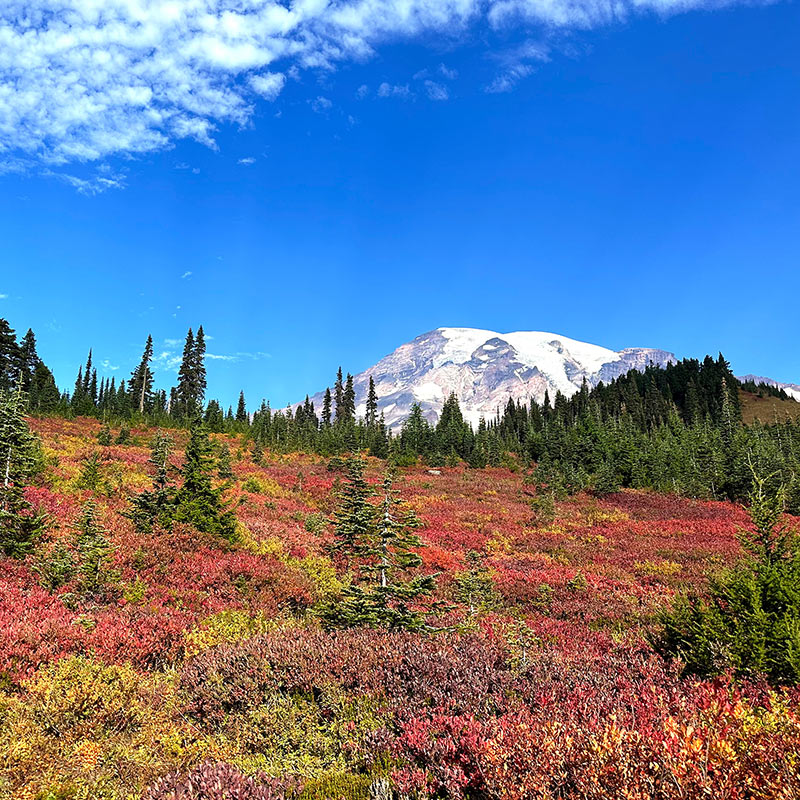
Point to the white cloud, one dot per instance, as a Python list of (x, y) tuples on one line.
[(246, 162), (516, 64), (389, 90), (362, 91), (3, 297), (82, 81), (321, 104), (106, 364), (446, 72), (185, 275), (436, 91), (268, 85)]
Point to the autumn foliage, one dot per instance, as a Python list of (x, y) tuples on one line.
[(198, 668)]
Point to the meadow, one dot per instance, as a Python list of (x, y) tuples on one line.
[(197, 667)]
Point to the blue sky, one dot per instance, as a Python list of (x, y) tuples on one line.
[(320, 195)]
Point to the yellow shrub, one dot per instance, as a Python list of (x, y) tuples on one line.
[(84, 730), (227, 627)]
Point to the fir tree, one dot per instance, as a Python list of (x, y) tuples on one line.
[(10, 358), (338, 396), (197, 502), (372, 404), (94, 551), (141, 382), (224, 463), (380, 544), (104, 435), (186, 393), (326, 409), (20, 525), (241, 410), (474, 585), (156, 507), (28, 359), (349, 400)]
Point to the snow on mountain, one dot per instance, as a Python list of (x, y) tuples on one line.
[(485, 369), (792, 389)]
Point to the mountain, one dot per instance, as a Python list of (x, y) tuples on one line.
[(792, 389), (485, 369)]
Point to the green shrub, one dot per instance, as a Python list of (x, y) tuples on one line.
[(749, 619)]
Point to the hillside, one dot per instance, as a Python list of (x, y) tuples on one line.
[(767, 409), (192, 650)]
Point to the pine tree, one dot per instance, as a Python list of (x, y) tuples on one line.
[(29, 360), (191, 376), (140, 385), (94, 551), (156, 507), (241, 410), (44, 395), (10, 357), (224, 464), (326, 409), (104, 435), (380, 544), (474, 585), (186, 394), (199, 365), (338, 396), (349, 400), (20, 525), (372, 404), (197, 502)]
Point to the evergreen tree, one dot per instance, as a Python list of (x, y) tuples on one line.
[(20, 525), (156, 508), (198, 503), (380, 544), (29, 360), (326, 409), (191, 376), (104, 435), (44, 395), (94, 551), (224, 464), (372, 404), (199, 365), (141, 382), (10, 357), (349, 400), (474, 585), (241, 410), (338, 396), (186, 393)]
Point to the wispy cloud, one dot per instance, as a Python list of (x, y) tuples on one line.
[(82, 81), (516, 64), (320, 104), (389, 90), (436, 91), (106, 364), (3, 297), (186, 275), (246, 162)]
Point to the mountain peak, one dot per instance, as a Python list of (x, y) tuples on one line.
[(486, 368)]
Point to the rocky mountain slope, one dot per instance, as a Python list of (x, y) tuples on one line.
[(486, 368)]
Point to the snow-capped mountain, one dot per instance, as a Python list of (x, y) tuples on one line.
[(485, 369), (792, 389)]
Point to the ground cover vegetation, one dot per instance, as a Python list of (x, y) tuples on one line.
[(191, 609)]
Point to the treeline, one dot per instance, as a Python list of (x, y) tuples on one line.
[(675, 428)]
